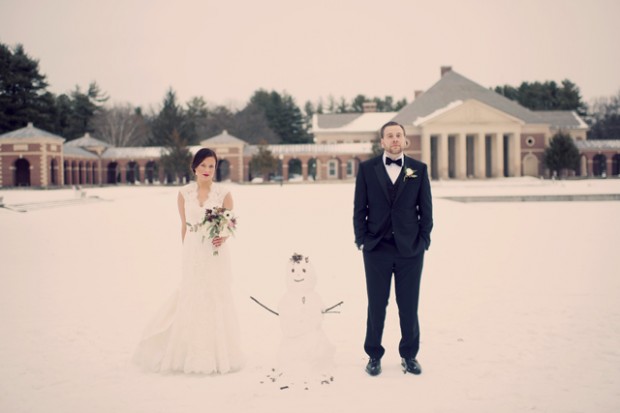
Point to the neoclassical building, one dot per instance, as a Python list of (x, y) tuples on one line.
[(461, 129), (464, 130)]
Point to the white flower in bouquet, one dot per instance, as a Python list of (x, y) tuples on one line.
[(217, 222)]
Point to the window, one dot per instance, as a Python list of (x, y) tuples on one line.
[(350, 168), (332, 168), (530, 141)]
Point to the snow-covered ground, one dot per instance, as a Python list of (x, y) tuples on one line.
[(519, 304)]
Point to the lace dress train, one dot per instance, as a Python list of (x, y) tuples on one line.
[(196, 330)]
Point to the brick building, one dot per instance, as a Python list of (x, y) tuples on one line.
[(459, 128)]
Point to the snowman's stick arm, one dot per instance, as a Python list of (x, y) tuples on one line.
[(264, 306), (327, 310)]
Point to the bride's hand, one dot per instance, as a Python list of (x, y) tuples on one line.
[(218, 241)]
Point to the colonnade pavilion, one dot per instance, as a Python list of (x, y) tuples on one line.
[(459, 128)]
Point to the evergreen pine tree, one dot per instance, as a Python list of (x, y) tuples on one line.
[(263, 163), (176, 158), (283, 116), (170, 118), (562, 154), (23, 95)]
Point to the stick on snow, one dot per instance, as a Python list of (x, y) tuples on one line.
[(264, 306)]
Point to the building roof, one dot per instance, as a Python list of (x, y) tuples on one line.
[(132, 152), (454, 87), (75, 151), (600, 144), (351, 122), (88, 141), (334, 120), (562, 119), (30, 132), (313, 149), (438, 112), (223, 138)]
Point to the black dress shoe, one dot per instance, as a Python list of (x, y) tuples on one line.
[(411, 365), (373, 367)]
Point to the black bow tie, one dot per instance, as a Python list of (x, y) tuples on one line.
[(390, 161)]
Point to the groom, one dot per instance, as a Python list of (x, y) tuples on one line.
[(392, 219)]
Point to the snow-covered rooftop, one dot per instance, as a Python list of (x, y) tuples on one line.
[(599, 144), (452, 87), (76, 151), (420, 120), (562, 119), (309, 149), (87, 141), (363, 122), (30, 132), (132, 153), (223, 138)]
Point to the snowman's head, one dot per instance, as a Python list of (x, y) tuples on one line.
[(300, 275)]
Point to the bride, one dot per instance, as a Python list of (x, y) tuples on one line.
[(196, 331)]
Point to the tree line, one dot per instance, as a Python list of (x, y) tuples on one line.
[(269, 117)]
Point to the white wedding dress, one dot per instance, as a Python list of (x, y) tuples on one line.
[(196, 331)]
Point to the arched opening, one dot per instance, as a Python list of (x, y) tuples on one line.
[(81, 177), (132, 173), (615, 165), (599, 165), (530, 165), (53, 172), (294, 170), (114, 174), (76, 173), (87, 177), (223, 170), (22, 172), (150, 172), (67, 169)]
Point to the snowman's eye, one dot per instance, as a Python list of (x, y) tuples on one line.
[(293, 270), (304, 270)]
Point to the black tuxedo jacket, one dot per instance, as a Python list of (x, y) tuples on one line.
[(410, 213)]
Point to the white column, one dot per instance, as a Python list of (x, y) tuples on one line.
[(426, 149), (44, 166), (497, 155), (242, 172), (460, 155), (515, 155), (100, 171), (480, 155), (442, 158)]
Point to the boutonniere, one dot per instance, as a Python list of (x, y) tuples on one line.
[(409, 174)]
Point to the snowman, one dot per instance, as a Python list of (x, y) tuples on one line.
[(305, 352)]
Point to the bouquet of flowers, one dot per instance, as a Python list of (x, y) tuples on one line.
[(217, 222)]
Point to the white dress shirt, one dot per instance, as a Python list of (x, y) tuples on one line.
[(393, 170)]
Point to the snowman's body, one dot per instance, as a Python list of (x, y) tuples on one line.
[(304, 348)]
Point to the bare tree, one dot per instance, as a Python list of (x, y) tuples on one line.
[(121, 125)]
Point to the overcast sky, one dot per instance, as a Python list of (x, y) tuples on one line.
[(225, 50)]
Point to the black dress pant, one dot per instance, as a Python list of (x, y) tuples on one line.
[(380, 264)]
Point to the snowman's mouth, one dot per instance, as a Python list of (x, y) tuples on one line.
[(298, 281)]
